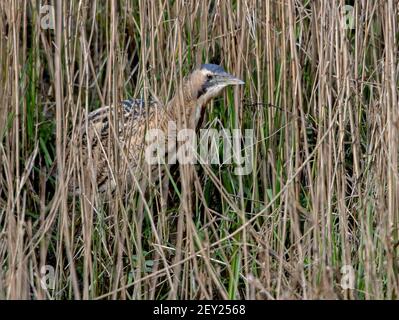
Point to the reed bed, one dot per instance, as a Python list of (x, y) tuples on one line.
[(316, 218)]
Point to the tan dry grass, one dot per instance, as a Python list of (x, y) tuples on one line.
[(324, 191)]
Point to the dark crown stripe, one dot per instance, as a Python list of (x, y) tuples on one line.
[(214, 68)]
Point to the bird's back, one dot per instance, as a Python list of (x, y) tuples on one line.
[(110, 134)]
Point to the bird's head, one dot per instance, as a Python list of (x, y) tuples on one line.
[(209, 80)]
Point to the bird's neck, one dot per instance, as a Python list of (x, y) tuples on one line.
[(184, 109)]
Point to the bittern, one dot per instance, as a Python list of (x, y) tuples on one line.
[(134, 118)]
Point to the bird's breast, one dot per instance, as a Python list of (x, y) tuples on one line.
[(198, 113)]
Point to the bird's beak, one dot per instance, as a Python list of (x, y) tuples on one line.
[(228, 79)]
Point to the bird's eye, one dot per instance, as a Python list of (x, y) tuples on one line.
[(209, 76)]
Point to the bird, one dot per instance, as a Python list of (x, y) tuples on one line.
[(123, 126)]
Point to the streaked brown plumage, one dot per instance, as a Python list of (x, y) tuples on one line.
[(90, 158)]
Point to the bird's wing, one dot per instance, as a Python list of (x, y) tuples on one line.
[(127, 111), (131, 118)]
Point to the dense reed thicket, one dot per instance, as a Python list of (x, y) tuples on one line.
[(317, 217)]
